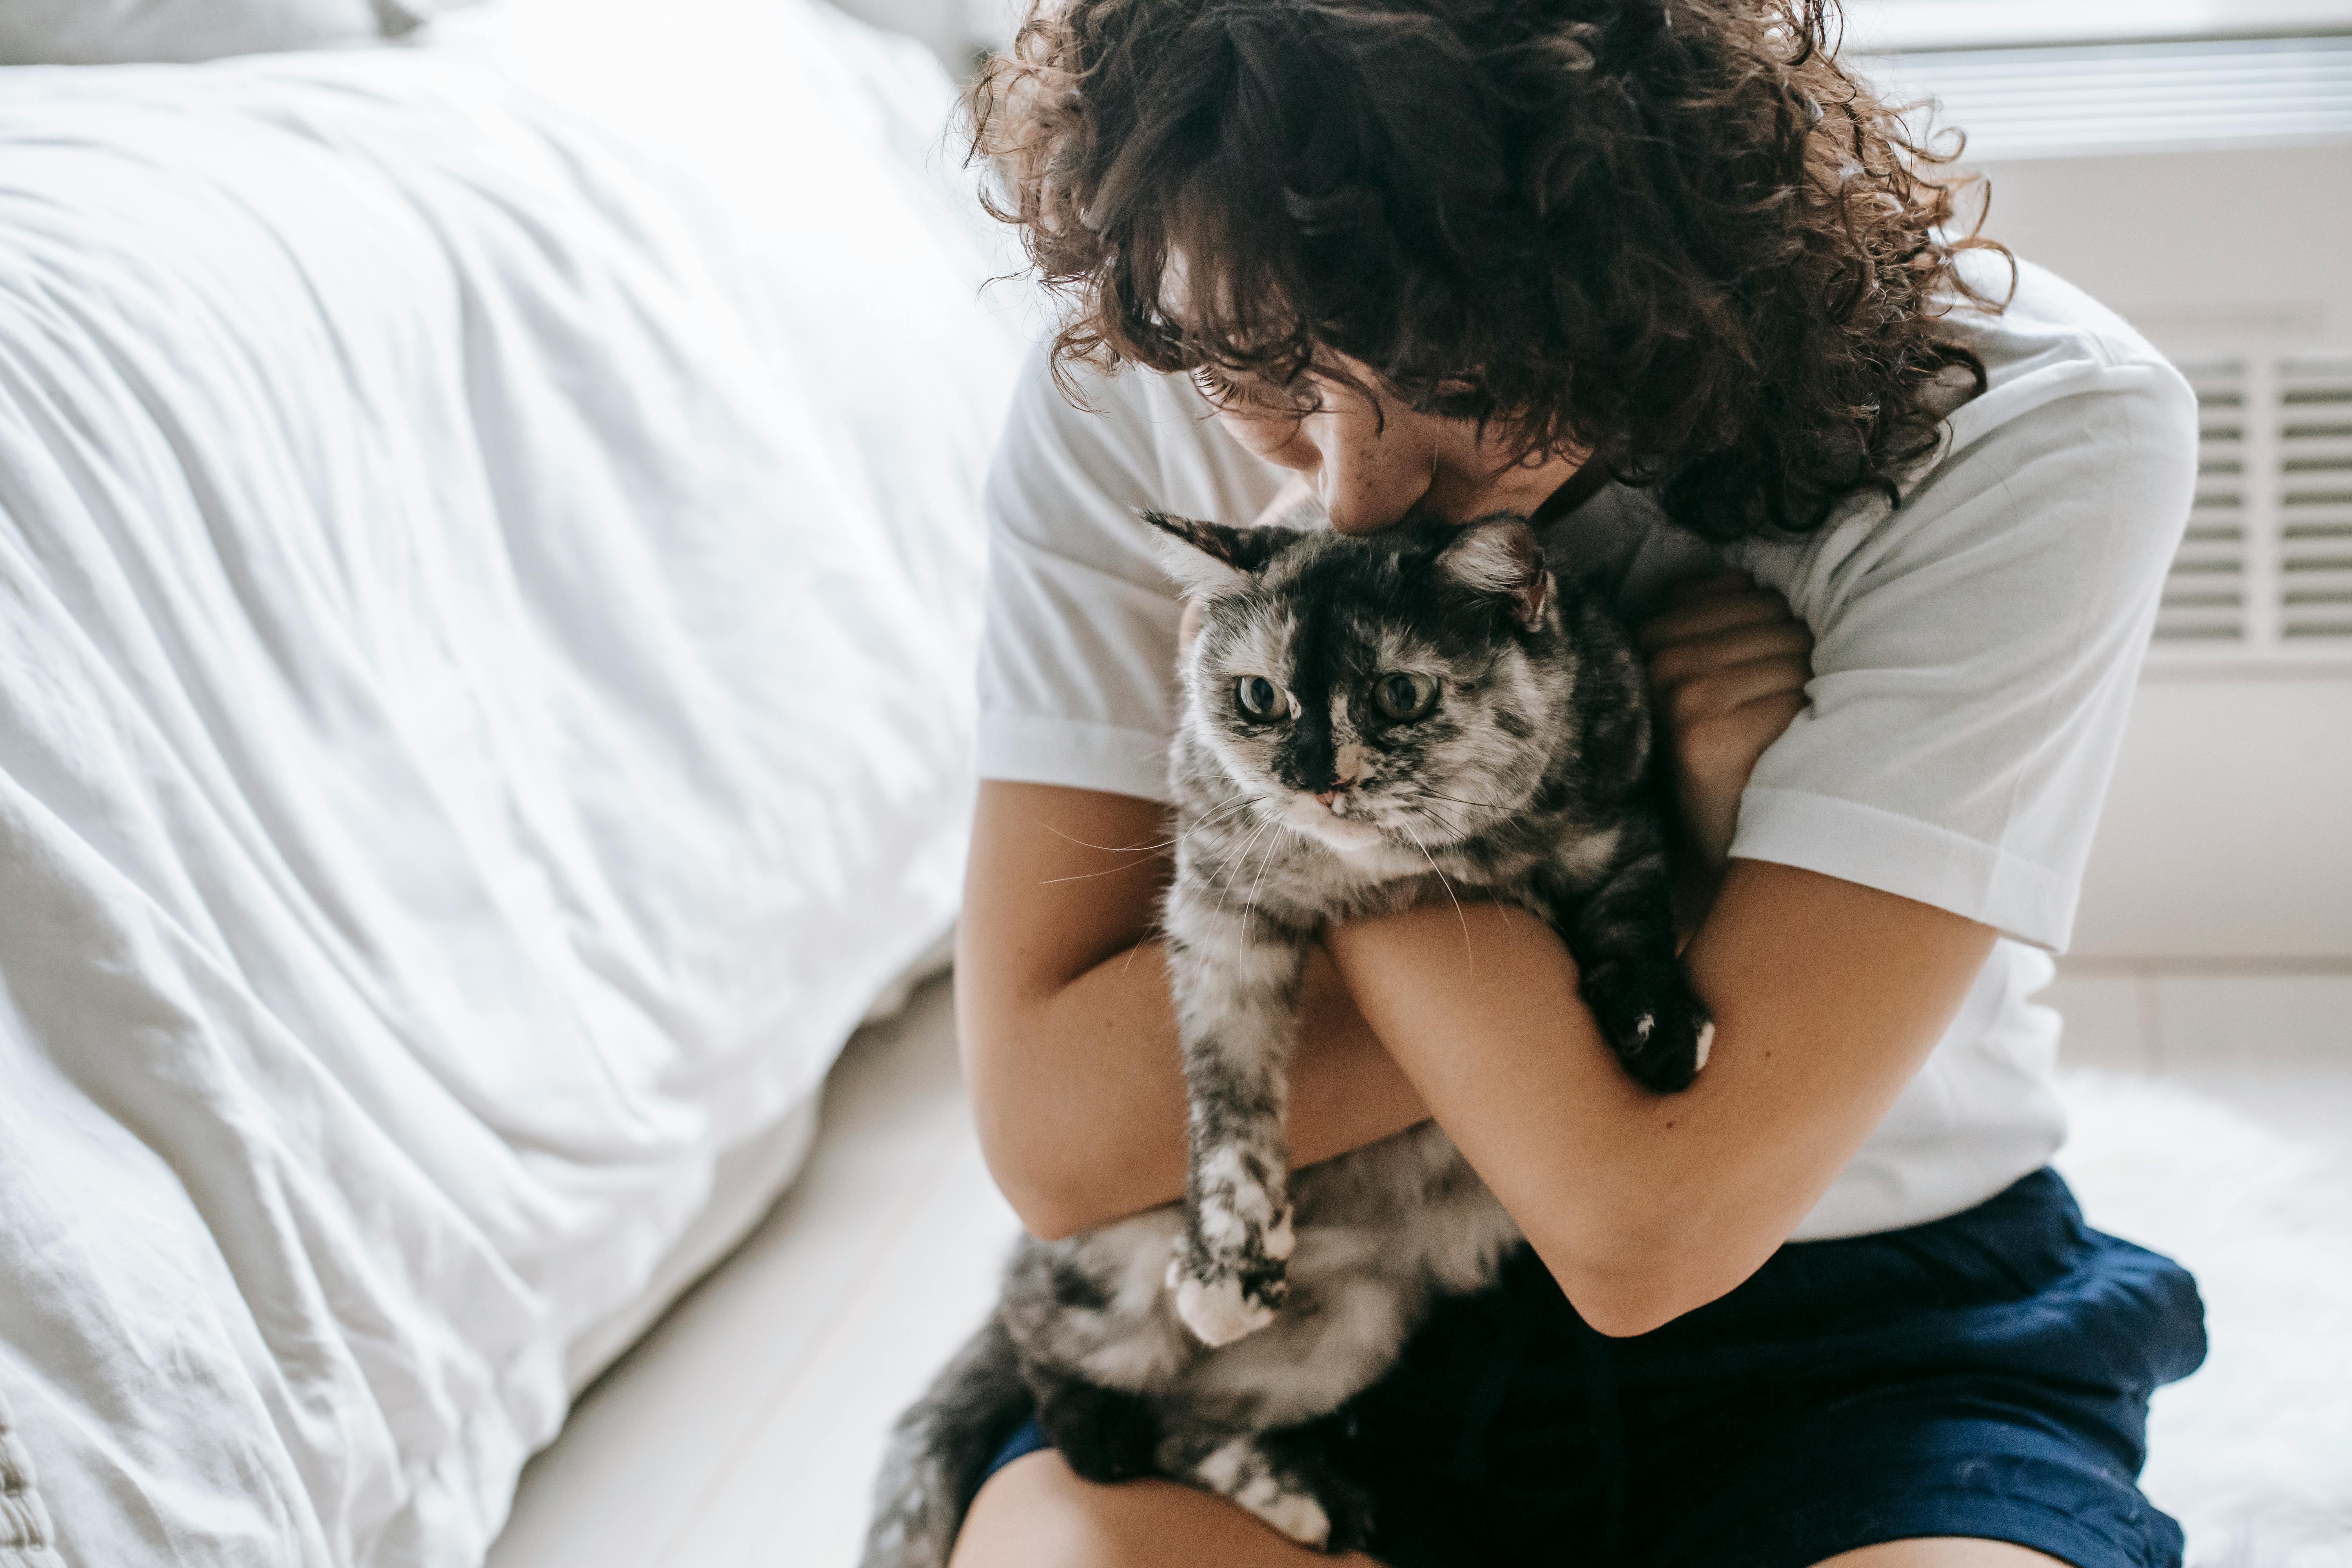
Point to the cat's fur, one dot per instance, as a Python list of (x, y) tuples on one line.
[(1197, 1342)]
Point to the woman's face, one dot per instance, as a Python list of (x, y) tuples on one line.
[(1370, 459)]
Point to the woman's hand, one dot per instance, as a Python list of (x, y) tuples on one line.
[(1729, 666)]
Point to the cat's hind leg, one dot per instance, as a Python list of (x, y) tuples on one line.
[(1104, 1434), (1287, 1479), (1234, 977), (940, 1449)]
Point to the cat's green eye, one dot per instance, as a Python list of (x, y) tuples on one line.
[(1404, 696), (1259, 700)]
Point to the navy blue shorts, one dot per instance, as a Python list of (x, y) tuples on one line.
[(1983, 1375)]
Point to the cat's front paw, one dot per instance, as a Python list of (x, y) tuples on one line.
[(1224, 1310), (1653, 1021), (1231, 1270), (1231, 1289)]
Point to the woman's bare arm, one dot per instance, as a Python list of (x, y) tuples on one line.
[(1068, 1037), (1827, 996)]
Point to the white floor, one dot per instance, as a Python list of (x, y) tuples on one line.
[(744, 1429)]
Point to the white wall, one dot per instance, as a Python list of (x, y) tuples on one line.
[(2190, 245), (2228, 832)]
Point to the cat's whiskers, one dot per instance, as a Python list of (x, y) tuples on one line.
[(1241, 857), (1159, 926), (1106, 849), (1088, 876), (1443, 821), (1250, 907), (1238, 804), (1457, 800), (1230, 803), (1469, 957)]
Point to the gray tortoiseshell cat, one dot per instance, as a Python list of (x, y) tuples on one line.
[(1369, 723)]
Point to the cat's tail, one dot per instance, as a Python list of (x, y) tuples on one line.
[(940, 1449)]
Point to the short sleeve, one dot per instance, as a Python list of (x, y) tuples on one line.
[(1976, 646), (1077, 664)]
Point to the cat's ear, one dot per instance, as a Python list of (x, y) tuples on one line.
[(1498, 556), (1206, 557)]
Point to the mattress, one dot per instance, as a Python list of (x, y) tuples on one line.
[(745, 1182), (489, 570)]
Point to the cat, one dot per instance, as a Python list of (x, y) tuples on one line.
[(1369, 723)]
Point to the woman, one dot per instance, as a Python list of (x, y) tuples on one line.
[(1895, 513)]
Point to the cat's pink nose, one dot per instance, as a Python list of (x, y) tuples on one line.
[(1347, 767)]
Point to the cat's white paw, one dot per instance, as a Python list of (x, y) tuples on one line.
[(1705, 1044), (1295, 1514), (1238, 1472), (1216, 1311)]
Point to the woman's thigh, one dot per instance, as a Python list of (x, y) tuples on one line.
[(1036, 1513)]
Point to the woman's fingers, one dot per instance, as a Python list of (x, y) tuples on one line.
[(1715, 751), (1673, 663), (1729, 668), (1727, 687), (1716, 604)]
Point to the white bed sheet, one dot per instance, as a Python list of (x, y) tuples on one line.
[(487, 581)]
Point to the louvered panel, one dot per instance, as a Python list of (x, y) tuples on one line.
[(2205, 597), (2264, 571), (2316, 499)]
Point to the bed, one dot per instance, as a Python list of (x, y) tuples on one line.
[(488, 563)]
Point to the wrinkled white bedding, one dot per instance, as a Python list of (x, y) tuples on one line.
[(487, 581)]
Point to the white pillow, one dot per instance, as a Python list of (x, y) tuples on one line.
[(107, 32)]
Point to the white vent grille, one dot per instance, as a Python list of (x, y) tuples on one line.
[(2265, 569), (2315, 499)]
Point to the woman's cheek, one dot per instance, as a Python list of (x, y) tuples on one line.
[(1282, 442)]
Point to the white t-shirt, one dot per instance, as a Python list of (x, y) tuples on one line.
[(1975, 654)]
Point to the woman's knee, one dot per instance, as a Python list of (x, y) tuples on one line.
[(1034, 1511), (1037, 1513)]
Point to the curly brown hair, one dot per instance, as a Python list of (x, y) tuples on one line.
[(1679, 235)]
